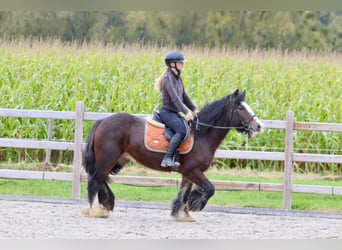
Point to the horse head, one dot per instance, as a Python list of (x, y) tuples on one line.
[(242, 116)]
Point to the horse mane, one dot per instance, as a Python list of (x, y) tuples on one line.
[(212, 113)]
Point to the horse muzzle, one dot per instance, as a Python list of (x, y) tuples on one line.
[(254, 128)]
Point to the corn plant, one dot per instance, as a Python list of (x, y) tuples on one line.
[(52, 75)]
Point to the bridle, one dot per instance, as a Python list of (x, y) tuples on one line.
[(245, 125)]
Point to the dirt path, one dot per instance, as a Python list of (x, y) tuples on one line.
[(41, 220)]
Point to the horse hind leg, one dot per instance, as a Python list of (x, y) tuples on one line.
[(106, 197), (123, 160), (101, 198), (96, 209), (179, 208), (116, 169)]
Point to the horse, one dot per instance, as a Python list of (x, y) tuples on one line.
[(114, 139)]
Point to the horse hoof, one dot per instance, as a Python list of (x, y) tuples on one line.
[(95, 212), (184, 218), (86, 211), (99, 213)]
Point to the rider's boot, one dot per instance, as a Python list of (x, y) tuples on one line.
[(169, 159)]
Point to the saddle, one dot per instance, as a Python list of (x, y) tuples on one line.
[(157, 135)]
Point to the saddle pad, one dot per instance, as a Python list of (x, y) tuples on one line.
[(155, 141)]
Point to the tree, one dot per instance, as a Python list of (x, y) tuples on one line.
[(320, 30), (219, 28)]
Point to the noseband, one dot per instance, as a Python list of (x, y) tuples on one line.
[(245, 125)]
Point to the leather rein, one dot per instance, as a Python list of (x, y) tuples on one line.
[(245, 125)]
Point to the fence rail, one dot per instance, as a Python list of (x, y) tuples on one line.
[(78, 145)]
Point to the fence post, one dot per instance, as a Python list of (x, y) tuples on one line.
[(287, 188), (76, 184), (49, 134)]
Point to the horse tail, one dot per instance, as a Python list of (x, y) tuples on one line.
[(89, 157)]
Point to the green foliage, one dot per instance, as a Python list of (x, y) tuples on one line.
[(286, 30), (55, 76), (274, 200)]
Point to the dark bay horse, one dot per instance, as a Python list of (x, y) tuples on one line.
[(120, 135)]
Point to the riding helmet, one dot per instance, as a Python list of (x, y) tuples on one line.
[(174, 56)]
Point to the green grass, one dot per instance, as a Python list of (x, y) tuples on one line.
[(60, 189), (256, 199)]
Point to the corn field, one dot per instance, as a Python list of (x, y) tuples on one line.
[(120, 78)]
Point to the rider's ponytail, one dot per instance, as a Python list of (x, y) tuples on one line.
[(159, 82)]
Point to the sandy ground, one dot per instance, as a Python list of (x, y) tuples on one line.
[(45, 220)]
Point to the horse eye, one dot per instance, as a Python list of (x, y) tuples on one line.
[(241, 108)]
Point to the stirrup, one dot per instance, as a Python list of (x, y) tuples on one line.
[(175, 160), (170, 161), (176, 166), (167, 161)]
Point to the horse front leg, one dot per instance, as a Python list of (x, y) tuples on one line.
[(179, 208), (199, 197)]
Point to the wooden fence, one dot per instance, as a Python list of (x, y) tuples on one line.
[(78, 145)]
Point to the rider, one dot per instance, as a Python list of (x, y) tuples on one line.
[(174, 101)]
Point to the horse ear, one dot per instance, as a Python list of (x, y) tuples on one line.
[(239, 96), (243, 95), (236, 93)]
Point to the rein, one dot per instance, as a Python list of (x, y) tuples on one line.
[(212, 126), (245, 125)]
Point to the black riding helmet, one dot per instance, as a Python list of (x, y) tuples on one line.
[(174, 56)]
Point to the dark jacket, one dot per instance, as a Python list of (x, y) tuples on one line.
[(174, 96)]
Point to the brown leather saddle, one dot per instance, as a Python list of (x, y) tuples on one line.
[(157, 136)]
